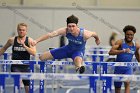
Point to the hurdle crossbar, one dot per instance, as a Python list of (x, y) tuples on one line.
[(68, 63), (59, 76)]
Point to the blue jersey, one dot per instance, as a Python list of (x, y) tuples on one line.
[(76, 43), (126, 57), (75, 47)]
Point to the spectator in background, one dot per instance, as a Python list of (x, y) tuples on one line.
[(62, 41), (112, 39)]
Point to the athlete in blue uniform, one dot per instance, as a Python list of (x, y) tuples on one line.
[(125, 49), (21, 50), (75, 49)]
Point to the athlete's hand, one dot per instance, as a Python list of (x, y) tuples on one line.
[(22, 42), (97, 41), (127, 50), (34, 42)]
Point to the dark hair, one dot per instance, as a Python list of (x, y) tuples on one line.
[(129, 27), (72, 19)]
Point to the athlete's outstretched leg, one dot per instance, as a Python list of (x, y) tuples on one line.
[(78, 61), (46, 56)]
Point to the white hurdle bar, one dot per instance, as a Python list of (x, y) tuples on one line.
[(86, 63), (66, 76)]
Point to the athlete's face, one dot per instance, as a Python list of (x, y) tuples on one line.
[(129, 35), (22, 31), (72, 27)]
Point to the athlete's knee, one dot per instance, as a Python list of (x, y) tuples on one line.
[(41, 58), (78, 59), (127, 83), (46, 56)]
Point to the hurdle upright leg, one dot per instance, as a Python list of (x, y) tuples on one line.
[(101, 57), (31, 87), (106, 81), (16, 83), (2, 83), (42, 65), (4, 67)]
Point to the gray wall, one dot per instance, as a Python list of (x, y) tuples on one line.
[(67, 3), (42, 20)]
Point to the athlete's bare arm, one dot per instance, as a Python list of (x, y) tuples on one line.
[(31, 49), (7, 45), (137, 53), (115, 48), (61, 31), (89, 34)]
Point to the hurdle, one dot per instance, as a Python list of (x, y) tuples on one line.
[(32, 70), (31, 63), (49, 76), (103, 77), (5, 56)]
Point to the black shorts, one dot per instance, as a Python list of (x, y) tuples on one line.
[(21, 68)]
